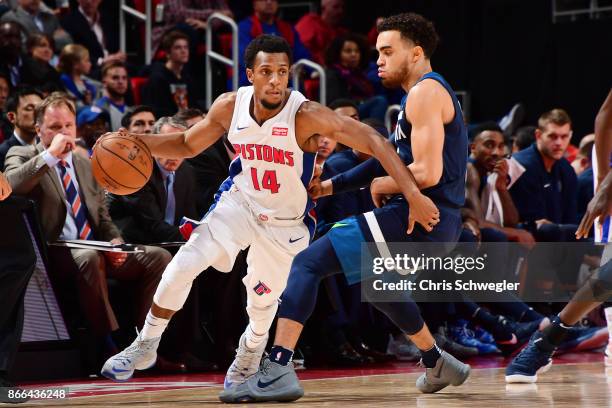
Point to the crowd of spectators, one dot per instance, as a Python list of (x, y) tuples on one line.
[(63, 79)]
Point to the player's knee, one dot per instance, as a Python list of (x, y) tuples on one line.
[(305, 268), (185, 266)]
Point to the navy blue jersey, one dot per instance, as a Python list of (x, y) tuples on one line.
[(450, 190)]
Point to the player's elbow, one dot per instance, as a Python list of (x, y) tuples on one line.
[(431, 177)]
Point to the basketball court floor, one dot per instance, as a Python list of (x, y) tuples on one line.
[(576, 380)]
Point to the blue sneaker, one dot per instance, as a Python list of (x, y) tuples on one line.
[(530, 362), (465, 337), (480, 334), (484, 336), (584, 338), (522, 333)]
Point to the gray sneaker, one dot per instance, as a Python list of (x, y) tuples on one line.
[(140, 355), (273, 382), (448, 371), (402, 348), (245, 363)]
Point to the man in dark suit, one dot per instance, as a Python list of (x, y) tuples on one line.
[(71, 205), (153, 213), (20, 112), (17, 261), (95, 31), (35, 20)]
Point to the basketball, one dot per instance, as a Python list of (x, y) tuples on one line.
[(121, 164)]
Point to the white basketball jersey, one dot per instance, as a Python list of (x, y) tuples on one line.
[(270, 168)]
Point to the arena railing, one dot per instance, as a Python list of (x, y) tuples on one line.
[(210, 54), (296, 70), (146, 18), (594, 10)]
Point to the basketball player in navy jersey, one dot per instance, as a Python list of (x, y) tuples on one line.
[(264, 203), (431, 139), (536, 357)]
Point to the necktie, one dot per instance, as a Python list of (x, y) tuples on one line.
[(170, 200), (78, 209)]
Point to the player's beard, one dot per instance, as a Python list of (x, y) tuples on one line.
[(269, 105), (395, 80)]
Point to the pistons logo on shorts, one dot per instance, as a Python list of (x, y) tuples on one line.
[(261, 289), (280, 131)]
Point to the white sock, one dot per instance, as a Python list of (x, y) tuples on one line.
[(254, 340), (608, 313), (153, 326)]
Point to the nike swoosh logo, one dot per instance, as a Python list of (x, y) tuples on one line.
[(118, 370), (339, 224), (262, 384), (291, 240), (240, 128)]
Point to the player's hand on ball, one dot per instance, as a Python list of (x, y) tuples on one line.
[(5, 187), (599, 206), (423, 211), (61, 146), (318, 188)]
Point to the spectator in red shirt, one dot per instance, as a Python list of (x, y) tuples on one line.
[(318, 30)]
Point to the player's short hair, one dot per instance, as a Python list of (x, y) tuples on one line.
[(483, 127), (342, 103), (413, 27), (269, 44), (12, 103), (127, 118), (524, 137), (170, 121), (170, 38), (557, 116), (53, 100)]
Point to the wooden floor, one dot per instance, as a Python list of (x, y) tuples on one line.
[(568, 385)]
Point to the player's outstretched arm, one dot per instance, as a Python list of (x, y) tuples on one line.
[(314, 119), (196, 139), (603, 138)]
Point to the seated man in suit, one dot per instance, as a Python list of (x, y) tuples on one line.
[(35, 20), (20, 112), (154, 213), (95, 31), (17, 260), (71, 205)]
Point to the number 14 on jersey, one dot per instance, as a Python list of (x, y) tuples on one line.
[(268, 180)]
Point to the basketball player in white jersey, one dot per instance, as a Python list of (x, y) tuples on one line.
[(536, 357), (264, 203)]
